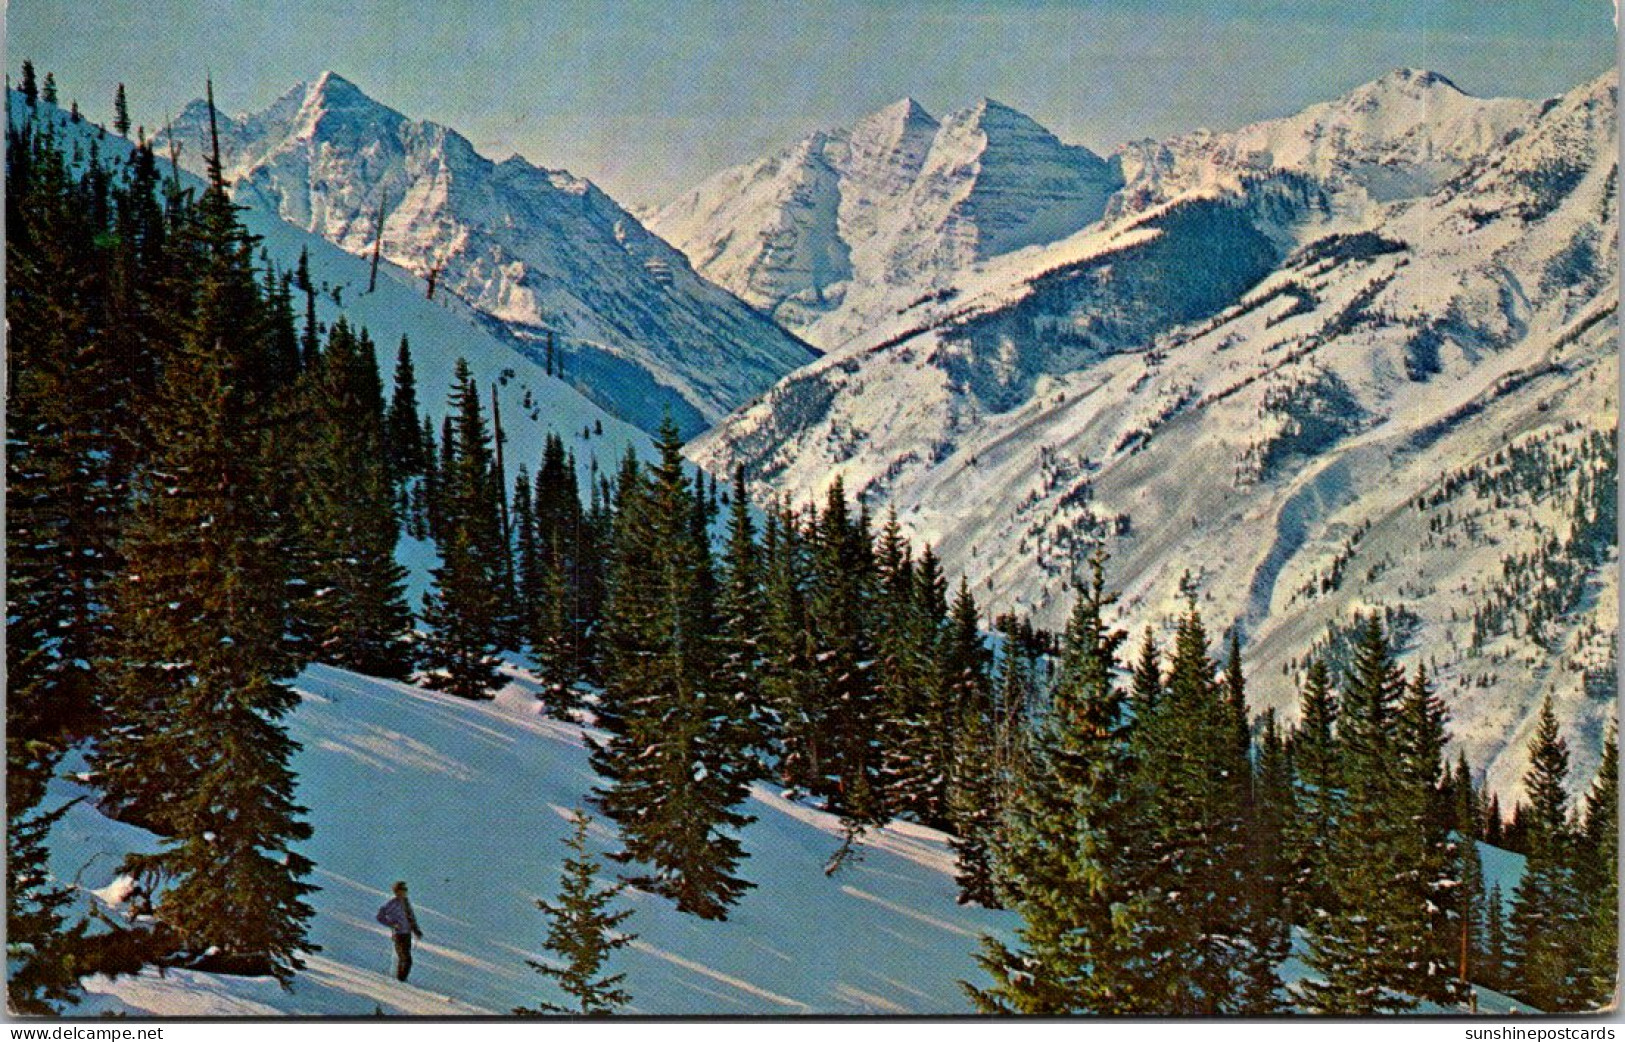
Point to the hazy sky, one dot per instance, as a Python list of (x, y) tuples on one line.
[(647, 97)]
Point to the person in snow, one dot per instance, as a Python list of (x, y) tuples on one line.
[(397, 915)]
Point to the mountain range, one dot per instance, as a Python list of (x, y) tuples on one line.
[(1359, 359), (1302, 369), (546, 256)]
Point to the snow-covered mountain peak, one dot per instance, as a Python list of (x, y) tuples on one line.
[(900, 115), (1399, 136), (847, 226), (543, 252)]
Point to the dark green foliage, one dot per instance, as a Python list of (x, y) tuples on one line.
[(581, 930), (354, 611), (402, 433), (42, 971), (846, 713), (1065, 859), (194, 747), (121, 112), (912, 602), (1318, 789), (676, 764), (1495, 969), (976, 786), (463, 610), (1366, 943), (1598, 876), (1210, 940), (741, 611), (1547, 929), (1425, 799)]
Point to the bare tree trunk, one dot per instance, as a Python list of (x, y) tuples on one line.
[(378, 245)]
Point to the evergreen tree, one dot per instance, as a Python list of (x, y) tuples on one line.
[(403, 433), (459, 654), (1147, 689), (1066, 857), (121, 112), (356, 613), (741, 612), (1372, 935), (1547, 927), (847, 711), (969, 761), (581, 930), (911, 687), (1495, 969), (552, 638), (42, 971), (195, 747), (1319, 788), (30, 86), (462, 611), (787, 653), (1210, 942), (676, 765), (310, 338), (48, 92), (1599, 877), (1466, 902), (1424, 799)]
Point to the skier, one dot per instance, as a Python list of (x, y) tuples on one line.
[(397, 915)]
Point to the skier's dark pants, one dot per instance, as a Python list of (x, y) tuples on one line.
[(403, 955)]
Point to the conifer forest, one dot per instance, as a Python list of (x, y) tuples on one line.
[(237, 510)]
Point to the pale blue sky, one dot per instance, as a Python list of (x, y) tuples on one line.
[(647, 97)]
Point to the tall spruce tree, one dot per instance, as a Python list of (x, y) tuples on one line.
[(676, 764), (355, 611), (196, 746), (462, 611), (969, 762), (1466, 901), (846, 715), (1547, 927), (1066, 858), (1372, 935), (582, 931), (403, 433), (1436, 878), (1211, 944), (1598, 873), (1318, 784), (121, 112), (741, 611)]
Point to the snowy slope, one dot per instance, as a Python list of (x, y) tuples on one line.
[(830, 234), (1255, 384), (539, 250), (468, 802)]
